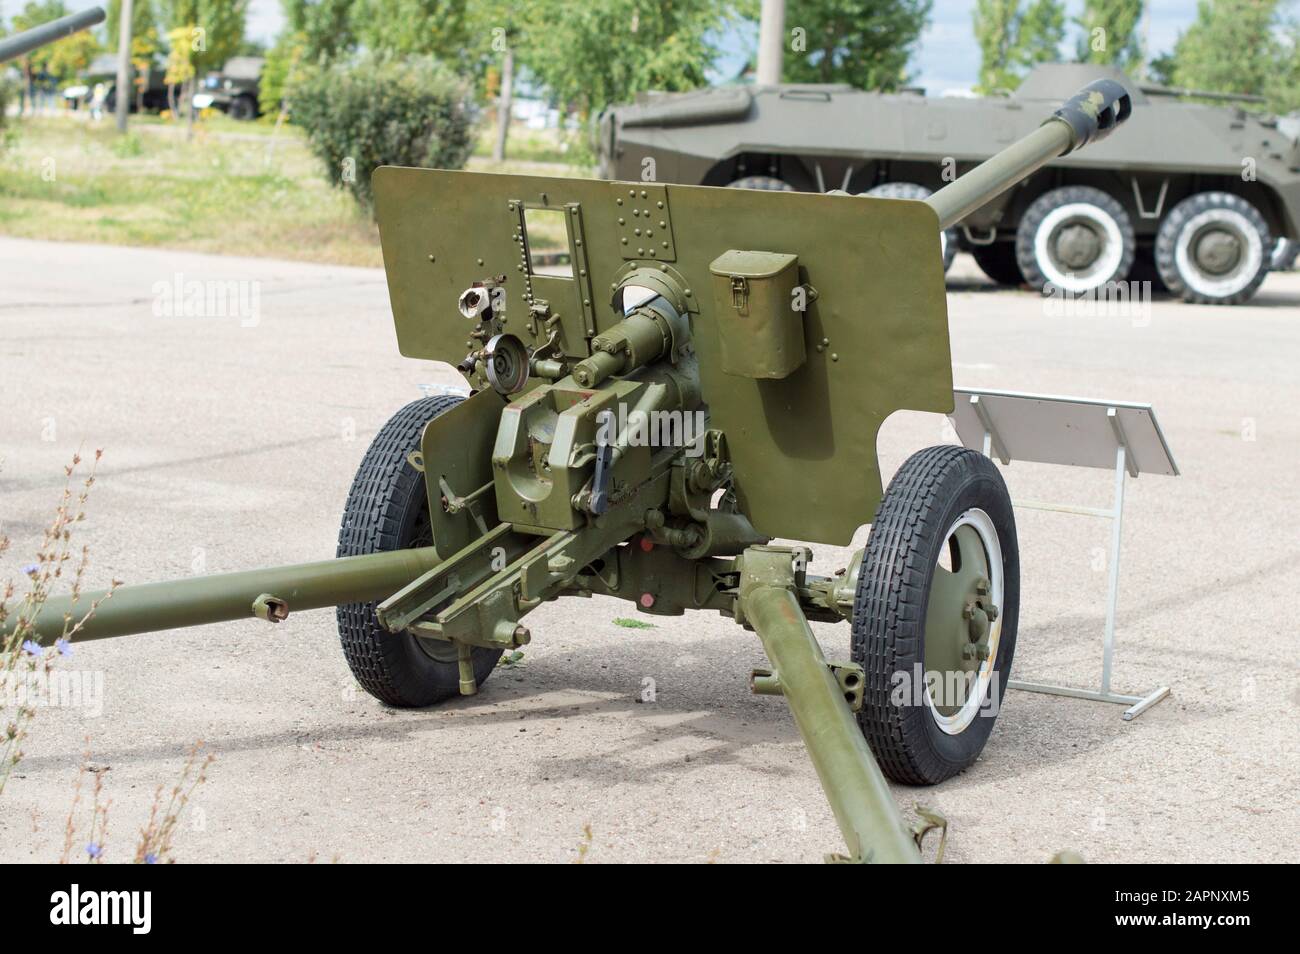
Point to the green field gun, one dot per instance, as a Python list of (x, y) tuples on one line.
[(664, 380), (20, 44)]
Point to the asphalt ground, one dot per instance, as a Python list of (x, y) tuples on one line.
[(230, 444)]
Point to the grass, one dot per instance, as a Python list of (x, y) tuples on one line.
[(235, 188), (632, 623)]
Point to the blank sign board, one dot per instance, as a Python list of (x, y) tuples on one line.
[(1047, 429)]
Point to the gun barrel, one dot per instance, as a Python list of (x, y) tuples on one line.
[(22, 43), (149, 607), (1088, 116)]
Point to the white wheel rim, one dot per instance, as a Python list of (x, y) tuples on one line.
[(960, 720), (1225, 286), (1105, 266)]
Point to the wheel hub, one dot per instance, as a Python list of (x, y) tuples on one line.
[(1077, 246), (1218, 251), (960, 624)]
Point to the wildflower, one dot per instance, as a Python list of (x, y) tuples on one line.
[(150, 858), (63, 646), (31, 569), (32, 647), (94, 850)]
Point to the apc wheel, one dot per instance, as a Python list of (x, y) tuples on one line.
[(388, 509), (998, 261), (934, 618), (1285, 252), (911, 190), (1076, 238), (761, 183), (1213, 248)]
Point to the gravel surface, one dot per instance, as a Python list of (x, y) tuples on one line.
[(230, 444)]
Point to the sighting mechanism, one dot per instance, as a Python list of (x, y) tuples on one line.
[(476, 303)]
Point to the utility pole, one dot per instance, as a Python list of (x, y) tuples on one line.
[(771, 42), (124, 84)]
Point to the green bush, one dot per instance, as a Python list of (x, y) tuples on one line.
[(7, 90), (375, 111)]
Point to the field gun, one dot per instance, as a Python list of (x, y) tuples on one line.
[(20, 44), (652, 448)]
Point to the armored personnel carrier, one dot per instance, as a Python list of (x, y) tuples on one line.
[(1196, 196)]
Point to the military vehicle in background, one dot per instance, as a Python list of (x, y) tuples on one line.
[(1196, 195), (234, 88), (150, 93)]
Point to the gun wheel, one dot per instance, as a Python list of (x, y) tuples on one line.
[(934, 618), (388, 509)]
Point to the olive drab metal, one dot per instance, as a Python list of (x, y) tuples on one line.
[(651, 405), (20, 44)]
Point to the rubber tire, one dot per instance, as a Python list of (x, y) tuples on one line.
[(761, 184), (383, 513), (998, 261), (912, 190), (1285, 252), (243, 109), (1043, 206), (929, 492), (1167, 239)]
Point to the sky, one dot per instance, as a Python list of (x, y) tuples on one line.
[(946, 58)]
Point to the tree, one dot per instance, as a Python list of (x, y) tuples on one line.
[(1110, 33), (146, 43), (1012, 39), (202, 35), (402, 27), (283, 67), (322, 29), (866, 43), (70, 56), (37, 62), (495, 33), (1230, 48), (594, 53), (1283, 90), (144, 17)]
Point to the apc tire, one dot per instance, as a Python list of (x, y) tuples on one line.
[(761, 184), (920, 513), (1285, 252), (911, 190), (1187, 223), (1088, 212), (387, 509), (998, 261)]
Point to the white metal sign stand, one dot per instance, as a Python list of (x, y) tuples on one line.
[(1075, 432)]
